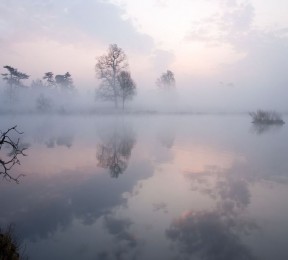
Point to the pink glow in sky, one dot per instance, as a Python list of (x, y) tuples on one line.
[(231, 47)]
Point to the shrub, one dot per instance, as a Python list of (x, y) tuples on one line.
[(9, 246), (266, 117)]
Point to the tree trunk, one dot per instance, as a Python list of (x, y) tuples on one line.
[(116, 102), (114, 89)]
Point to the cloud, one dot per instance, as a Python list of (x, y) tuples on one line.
[(260, 68), (240, 18), (161, 3), (220, 28), (70, 22), (60, 36), (162, 60)]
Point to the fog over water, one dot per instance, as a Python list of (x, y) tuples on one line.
[(149, 187), (144, 129)]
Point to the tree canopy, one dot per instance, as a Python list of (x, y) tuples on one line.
[(127, 86), (49, 77), (166, 80), (108, 68), (64, 81), (14, 77)]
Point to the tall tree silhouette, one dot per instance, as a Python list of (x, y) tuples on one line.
[(127, 86), (49, 77), (107, 68), (14, 79)]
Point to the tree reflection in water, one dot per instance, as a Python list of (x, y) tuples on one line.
[(167, 138), (115, 150), (260, 129), (166, 134), (63, 140)]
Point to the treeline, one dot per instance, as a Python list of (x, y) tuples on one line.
[(44, 89), (112, 69)]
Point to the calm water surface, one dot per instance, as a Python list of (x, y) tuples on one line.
[(149, 187)]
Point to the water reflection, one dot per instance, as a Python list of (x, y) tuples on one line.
[(167, 137), (210, 198), (125, 244), (64, 140), (210, 235), (51, 137), (216, 234), (114, 151), (260, 129), (53, 203), (229, 189)]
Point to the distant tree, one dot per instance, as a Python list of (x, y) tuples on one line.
[(43, 103), (127, 86), (13, 79), (49, 77), (64, 81), (166, 81), (37, 83), (108, 68)]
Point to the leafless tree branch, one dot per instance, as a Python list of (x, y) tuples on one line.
[(12, 158)]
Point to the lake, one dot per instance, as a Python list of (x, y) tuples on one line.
[(210, 187)]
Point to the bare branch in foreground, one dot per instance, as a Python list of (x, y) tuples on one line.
[(11, 159)]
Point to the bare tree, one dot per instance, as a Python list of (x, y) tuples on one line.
[(127, 86), (11, 159), (107, 68), (166, 81)]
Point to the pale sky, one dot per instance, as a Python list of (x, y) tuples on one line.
[(222, 50)]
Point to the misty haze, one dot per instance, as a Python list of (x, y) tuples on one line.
[(143, 130)]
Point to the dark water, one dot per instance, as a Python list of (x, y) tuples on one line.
[(151, 187)]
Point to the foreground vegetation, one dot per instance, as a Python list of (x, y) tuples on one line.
[(15, 149), (10, 248)]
